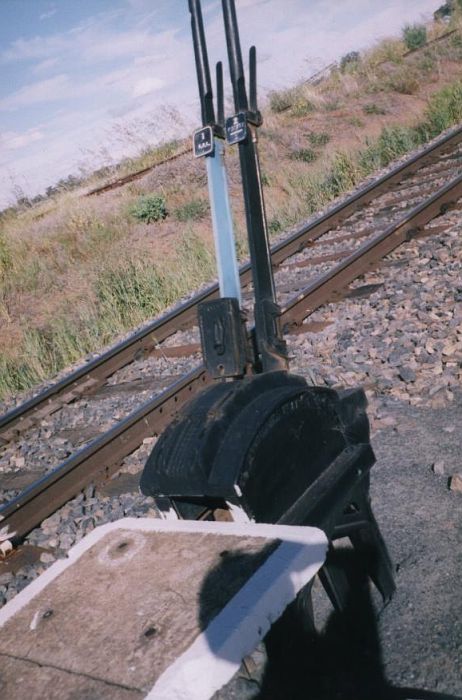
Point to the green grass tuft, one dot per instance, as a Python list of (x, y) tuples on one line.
[(280, 100), (403, 80), (392, 143), (414, 36), (5, 256), (194, 210), (373, 108), (149, 208), (306, 155), (444, 110), (296, 99), (318, 139)]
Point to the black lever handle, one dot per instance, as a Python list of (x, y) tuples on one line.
[(202, 63), (236, 67), (241, 128), (220, 96), (253, 79)]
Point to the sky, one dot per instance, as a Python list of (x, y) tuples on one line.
[(86, 82)]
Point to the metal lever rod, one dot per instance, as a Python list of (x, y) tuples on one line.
[(202, 63), (253, 79), (228, 271), (270, 347), (220, 96), (236, 67)]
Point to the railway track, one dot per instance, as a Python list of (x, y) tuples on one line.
[(121, 181), (314, 265)]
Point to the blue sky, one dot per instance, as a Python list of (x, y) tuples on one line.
[(85, 82)]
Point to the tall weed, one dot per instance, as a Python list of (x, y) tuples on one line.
[(393, 142), (444, 110), (5, 255)]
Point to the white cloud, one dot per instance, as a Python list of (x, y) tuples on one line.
[(125, 81), (44, 66), (140, 4), (41, 91), (12, 140), (211, 7), (47, 15), (146, 85), (37, 48), (252, 3), (111, 46), (91, 43)]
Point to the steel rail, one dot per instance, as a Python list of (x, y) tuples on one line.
[(103, 456), (124, 180), (97, 461), (91, 375), (326, 286)]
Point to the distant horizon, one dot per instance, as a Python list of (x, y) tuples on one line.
[(86, 86)]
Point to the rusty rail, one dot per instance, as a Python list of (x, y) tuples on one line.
[(134, 176)]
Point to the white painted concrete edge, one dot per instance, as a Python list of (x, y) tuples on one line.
[(216, 654)]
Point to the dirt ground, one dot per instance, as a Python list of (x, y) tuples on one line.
[(421, 519)]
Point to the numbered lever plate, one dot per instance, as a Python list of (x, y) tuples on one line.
[(203, 142), (236, 128)]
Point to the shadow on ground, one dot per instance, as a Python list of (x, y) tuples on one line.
[(343, 662)]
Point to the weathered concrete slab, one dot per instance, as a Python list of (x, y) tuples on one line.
[(24, 679), (152, 608)]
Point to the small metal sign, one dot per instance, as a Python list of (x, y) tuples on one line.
[(236, 128), (203, 142)]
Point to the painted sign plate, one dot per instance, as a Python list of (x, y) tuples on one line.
[(203, 142), (236, 128)]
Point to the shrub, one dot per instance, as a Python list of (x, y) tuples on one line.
[(388, 51), (393, 142), (426, 62), (444, 110), (349, 60), (403, 81), (343, 175), (455, 47), (294, 99), (445, 11), (280, 101), (306, 155), (331, 105), (5, 255), (373, 109), (302, 106), (414, 36), (274, 226), (318, 139), (195, 210), (149, 207)]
